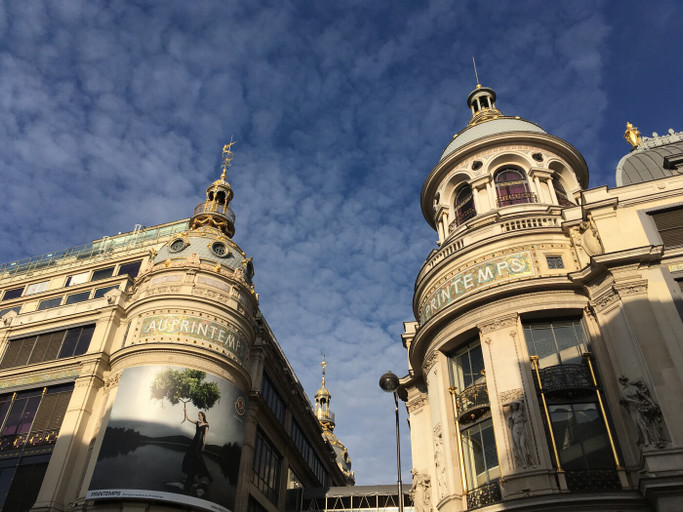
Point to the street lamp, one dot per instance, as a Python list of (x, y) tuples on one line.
[(389, 383)]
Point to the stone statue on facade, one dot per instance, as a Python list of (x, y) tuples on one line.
[(440, 466), (420, 492), (518, 434), (645, 413)]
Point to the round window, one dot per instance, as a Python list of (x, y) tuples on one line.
[(177, 245), (219, 249)]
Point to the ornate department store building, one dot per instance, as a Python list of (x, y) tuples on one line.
[(545, 364), (137, 373)]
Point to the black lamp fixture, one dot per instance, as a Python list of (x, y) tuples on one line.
[(389, 383)]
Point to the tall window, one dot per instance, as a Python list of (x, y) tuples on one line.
[(464, 204), (670, 226), (477, 439), (479, 454), (308, 453), (30, 422), (512, 187), (560, 192), (273, 398), (556, 342), (266, 469), (47, 346), (577, 424)]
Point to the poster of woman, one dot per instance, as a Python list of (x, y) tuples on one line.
[(159, 443)]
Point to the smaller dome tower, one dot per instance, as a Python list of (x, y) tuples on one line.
[(215, 211), (482, 102), (326, 419)]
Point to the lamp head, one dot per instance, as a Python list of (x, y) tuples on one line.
[(388, 382)]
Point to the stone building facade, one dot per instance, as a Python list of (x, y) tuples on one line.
[(545, 362), (137, 373)]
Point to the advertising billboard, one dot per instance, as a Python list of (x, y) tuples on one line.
[(174, 434)]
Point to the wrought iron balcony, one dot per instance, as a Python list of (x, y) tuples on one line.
[(566, 380), (216, 209), (485, 495), (593, 480), (472, 403), (29, 440), (520, 198)]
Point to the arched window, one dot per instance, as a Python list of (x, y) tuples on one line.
[(464, 204), (562, 197), (512, 187)]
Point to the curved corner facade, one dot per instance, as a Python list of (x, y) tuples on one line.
[(138, 372), (544, 363)]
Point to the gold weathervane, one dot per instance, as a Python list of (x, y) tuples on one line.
[(228, 155), (632, 135)]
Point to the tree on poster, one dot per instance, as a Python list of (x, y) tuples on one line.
[(186, 386)]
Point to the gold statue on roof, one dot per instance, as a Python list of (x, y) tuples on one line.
[(632, 135), (228, 155)]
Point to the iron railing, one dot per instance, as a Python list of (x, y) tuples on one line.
[(592, 480), (566, 380), (487, 494), (472, 403), (215, 208)]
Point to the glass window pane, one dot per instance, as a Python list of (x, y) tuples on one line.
[(49, 303), (13, 293), (36, 288), (84, 340), (131, 268), (101, 291), (77, 279), (39, 348), (102, 273), (70, 342), (77, 297), (540, 342)]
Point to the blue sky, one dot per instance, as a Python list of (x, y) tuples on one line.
[(114, 113)]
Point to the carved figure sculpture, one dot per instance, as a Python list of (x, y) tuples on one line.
[(645, 412), (518, 433), (440, 466), (420, 492)]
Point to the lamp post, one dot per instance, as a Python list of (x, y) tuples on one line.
[(389, 383)]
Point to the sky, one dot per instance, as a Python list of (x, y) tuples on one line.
[(114, 114)]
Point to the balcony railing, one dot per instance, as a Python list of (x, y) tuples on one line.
[(485, 495), (521, 198), (472, 403), (215, 208), (566, 380), (593, 480), (29, 440)]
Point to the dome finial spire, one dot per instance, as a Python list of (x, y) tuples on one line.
[(228, 155), (476, 75), (215, 212)]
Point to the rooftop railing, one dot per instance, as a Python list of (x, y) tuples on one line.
[(103, 248)]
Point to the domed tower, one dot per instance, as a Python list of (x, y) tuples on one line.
[(326, 419), (500, 361), (190, 326)]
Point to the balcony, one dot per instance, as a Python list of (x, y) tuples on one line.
[(472, 403), (29, 440), (485, 495), (566, 380), (593, 480), (512, 199), (216, 209)]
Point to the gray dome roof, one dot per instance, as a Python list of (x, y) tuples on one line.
[(649, 160), (488, 128), (204, 243)]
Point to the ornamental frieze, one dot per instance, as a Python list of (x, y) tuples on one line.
[(218, 332), (498, 323), (633, 288), (417, 403), (490, 271)]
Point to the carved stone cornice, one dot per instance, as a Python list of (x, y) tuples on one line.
[(631, 288), (497, 324), (605, 300), (416, 403), (430, 361)]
